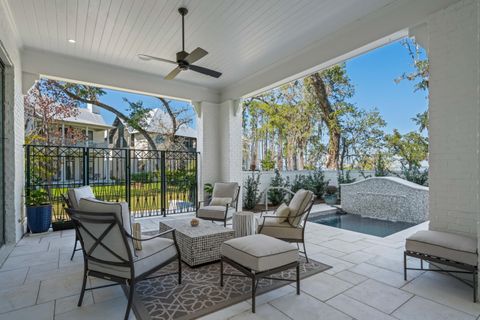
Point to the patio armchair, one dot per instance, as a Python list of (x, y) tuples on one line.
[(223, 204), (104, 231), (71, 200), (289, 225)]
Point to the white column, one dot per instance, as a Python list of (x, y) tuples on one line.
[(231, 141), (454, 115), (208, 143)]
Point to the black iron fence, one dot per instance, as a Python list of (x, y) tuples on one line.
[(152, 182)]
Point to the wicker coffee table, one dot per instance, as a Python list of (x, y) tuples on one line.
[(198, 245)]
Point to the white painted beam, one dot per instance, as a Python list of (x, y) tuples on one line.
[(64, 67), (342, 44)]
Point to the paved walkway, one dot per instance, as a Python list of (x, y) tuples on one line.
[(38, 281)]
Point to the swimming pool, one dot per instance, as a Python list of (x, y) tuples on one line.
[(357, 223)]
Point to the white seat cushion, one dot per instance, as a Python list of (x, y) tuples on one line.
[(259, 252), (214, 212), (154, 253), (444, 245), (280, 230), (76, 194)]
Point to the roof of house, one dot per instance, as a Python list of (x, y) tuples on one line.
[(159, 122), (87, 117)]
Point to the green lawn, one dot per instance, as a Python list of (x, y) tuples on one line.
[(144, 197)]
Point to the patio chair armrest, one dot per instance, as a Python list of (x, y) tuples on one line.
[(265, 211), (155, 236)]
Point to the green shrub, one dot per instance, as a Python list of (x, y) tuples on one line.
[(316, 183), (299, 182), (268, 164), (276, 196), (251, 195), (416, 175)]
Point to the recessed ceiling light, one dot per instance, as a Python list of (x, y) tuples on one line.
[(71, 41)]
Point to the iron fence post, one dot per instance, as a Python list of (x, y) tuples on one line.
[(128, 184), (86, 165), (196, 199), (28, 173), (163, 175)]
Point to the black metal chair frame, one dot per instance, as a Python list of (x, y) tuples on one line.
[(256, 276), (68, 205), (111, 218), (464, 268), (306, 212), (226, 217)]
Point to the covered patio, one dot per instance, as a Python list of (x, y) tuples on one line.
[(257, 45)]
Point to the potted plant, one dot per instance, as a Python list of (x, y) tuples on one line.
[(208, 191), (330, 195), (39, 211)]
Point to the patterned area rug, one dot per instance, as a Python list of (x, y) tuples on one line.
[(200, 292)]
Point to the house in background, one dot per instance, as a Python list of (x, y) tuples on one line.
[(91, 123), (86, 129), (158, 125)]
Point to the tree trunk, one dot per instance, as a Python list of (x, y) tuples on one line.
[(280, 152), (333, 148), (330, 119)]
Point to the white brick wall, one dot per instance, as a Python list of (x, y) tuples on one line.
[(454, 118), (13, 131)]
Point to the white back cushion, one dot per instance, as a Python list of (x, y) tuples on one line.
[(75, 195)]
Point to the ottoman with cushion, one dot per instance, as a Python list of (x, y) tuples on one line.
[(259, 256), (444, 248)]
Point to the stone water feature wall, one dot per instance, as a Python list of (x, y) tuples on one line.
[(386, 198)]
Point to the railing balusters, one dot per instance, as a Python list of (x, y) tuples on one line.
[(152, 182)]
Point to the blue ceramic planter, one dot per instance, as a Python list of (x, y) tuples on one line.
[(39, 218), (330, 199)]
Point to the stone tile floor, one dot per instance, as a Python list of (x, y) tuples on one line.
[(38, 281)]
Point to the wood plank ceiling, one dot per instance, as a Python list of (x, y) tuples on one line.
[(242, 37)]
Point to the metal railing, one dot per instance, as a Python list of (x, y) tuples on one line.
[(152, 182)]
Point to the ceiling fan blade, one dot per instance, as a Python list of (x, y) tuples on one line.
[(206, 71), (146, 57), (195, 55), (173, 74)]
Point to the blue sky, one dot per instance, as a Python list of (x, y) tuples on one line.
[(372, 74), (115, 98)]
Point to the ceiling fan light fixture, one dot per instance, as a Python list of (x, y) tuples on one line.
[(185, 60)]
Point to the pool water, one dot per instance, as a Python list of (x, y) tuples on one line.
[(357, 223)]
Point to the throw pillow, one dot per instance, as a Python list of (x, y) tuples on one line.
[(217, 201), (282, 213)]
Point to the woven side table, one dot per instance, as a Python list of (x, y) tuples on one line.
[(198, 245), (244, 223)]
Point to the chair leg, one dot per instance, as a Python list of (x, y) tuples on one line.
[(221, 273), (475, 275), (82, 293), (305, 252), (404, 266), (298, 278), (74, 248), (225, 223), (131, 290), (179, 270), (254, 289)]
